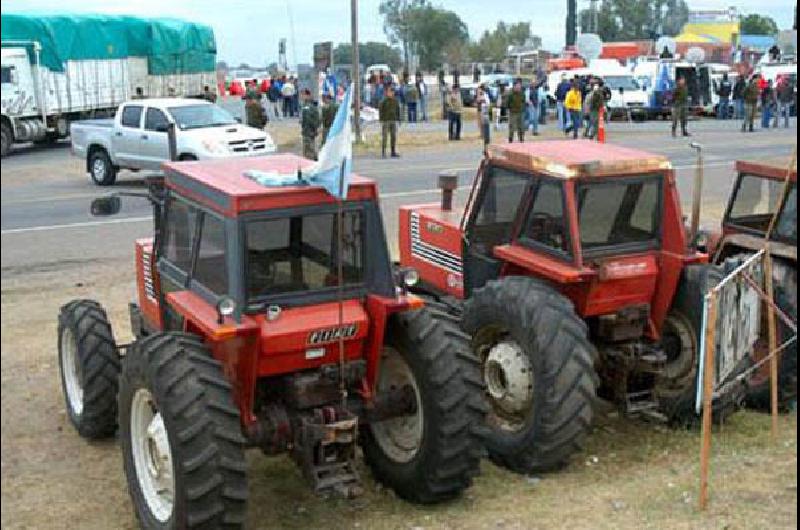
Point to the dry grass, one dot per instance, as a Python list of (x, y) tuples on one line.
[(632, 475)]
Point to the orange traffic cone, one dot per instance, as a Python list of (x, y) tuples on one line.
[(601, 126)]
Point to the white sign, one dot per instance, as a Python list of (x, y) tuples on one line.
[(738, 322)]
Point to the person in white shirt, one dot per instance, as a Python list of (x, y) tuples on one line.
[(483, 104), (422, 92)]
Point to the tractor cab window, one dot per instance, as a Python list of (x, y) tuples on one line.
[(499, 200), (786, 228), (178, 234), (7, 75), (299, 254), (755, 202), (546, 226), (211, 269), (619, 213)]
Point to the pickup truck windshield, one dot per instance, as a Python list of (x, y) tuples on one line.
[(615, 82), (200, 116)]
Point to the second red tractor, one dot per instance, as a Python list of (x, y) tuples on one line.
[(572, 270)]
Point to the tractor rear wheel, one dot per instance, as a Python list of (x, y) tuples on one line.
[(432, 454), (676, 388), (182, 446), (89, 364), (538, 366)]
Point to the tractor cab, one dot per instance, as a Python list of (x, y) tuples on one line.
[(601, 222), (756, 198)]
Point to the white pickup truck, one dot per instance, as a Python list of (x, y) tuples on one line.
[(136, 138)]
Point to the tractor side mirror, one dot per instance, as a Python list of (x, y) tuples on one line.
[(105, 206)]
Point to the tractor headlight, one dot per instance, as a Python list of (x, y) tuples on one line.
[(407, 277), (226, 307)]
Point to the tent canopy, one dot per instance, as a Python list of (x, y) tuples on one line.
[(171, 46)]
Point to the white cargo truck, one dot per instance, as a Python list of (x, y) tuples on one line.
[(57, 69)]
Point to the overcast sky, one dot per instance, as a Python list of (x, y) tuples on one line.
[(248, 30)]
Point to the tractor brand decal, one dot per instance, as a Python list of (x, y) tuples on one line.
[(454, 281), (431, 254), (433, 227), (616, 270), (329, 335), (147, 270)]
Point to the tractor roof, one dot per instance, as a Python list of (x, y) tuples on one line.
[(222, 185), (771, 168), (577, 158)]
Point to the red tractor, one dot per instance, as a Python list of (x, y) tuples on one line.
[(270, 317), (755, 200), (571, 269)]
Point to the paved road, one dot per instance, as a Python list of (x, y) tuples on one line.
[(45, 193)]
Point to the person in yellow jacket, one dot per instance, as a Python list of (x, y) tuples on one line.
[(574, 105)]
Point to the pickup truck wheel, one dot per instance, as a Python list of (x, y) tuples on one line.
[(187, 158), (7, 139), (101, 169)]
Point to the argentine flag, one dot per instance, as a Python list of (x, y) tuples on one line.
[(335, 161), (334, 164)]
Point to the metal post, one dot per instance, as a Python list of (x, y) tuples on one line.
[(697, 195), (172, 141), (772, 334), (708, 396), (356, 70)]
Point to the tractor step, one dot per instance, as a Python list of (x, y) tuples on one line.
[(643, 404), (326, 449)]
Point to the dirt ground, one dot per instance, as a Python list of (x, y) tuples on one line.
[(632, 475)]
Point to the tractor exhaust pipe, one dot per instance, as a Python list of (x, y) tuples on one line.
[(172, 142), (448, 182), (697, 193)]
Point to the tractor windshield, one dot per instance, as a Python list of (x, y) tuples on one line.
[(786, 228), (754, 203), (298, 254), (619, 214)]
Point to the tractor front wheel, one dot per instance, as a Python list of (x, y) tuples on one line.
[(89, 364), (431, 454), (182, 446), (538, 366)]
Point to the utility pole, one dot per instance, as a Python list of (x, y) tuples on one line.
[(356, 70), (572, 13)]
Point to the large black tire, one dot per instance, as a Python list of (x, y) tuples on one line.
[(676, 392), (548, 338), (89, 365), (6, 139), (101, 169), (186, 386), (449, 396), (758, 392)]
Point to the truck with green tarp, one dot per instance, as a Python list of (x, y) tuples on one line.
[(60, 68)]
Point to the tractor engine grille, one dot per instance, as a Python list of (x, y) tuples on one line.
[(147, 274), (430, 253)]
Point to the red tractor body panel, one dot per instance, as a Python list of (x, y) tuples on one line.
[(431, 240)]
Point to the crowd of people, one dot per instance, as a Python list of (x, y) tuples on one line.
[(581, 102)]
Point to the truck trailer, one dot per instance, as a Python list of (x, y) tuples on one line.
[(60, 68)]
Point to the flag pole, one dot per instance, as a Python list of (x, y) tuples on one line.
[(340, 282)]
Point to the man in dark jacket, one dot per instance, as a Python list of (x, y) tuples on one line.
[(516, 108), (785, 99), (389, 115), (254, 113), (561, 94), (724, 92), (309, 125), (680, 110), (738, 98), (751, 94), (329, 109)]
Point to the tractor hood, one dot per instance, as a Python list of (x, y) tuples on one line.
[(302, 335)]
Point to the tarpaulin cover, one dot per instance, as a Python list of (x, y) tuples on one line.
[(171, 46)]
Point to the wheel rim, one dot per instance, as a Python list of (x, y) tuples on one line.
[(152, 457), (680, 348), (509, 378), (70, 371), (98, 169), (399, 438)]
